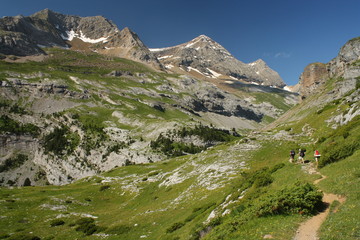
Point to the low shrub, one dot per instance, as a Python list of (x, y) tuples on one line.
[(172, 146), (10, 125), (175, 227), (4, 236), (14, 162), (56, 222), (277, 167), (61, 141), (297, 199), (336, 151), (23, 236), (104, 187), (86, 225), (119, 229), (198, 211)]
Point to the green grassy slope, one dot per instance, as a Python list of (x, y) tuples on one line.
[(165, 200), (243, 189)]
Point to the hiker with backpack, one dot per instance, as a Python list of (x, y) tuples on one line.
[(301, 156), (292, 156)]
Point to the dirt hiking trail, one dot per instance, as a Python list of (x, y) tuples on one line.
[(308, 230)]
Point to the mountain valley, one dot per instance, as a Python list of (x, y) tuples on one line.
[(104, 138)]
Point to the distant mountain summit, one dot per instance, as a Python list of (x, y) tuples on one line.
[(23, 36), (205, 57)]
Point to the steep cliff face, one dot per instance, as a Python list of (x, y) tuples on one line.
[(204, 57), (344, 69), (16, 43), (348, 54), (313, 76)]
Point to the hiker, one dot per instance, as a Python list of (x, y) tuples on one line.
[(292, 156), (317, 156), (301, 155)]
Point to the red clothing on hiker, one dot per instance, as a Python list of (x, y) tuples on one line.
[(317, 154)]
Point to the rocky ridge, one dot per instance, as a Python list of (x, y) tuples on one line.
[(204, 57), (323, 85), (345, 66), (23, 36)]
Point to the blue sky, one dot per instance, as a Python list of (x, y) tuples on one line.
[(286, 34)]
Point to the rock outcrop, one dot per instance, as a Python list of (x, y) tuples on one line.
[(313, 76), (345, 68), (208, 58)]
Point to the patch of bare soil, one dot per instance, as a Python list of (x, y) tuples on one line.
[(17, 59), (308, 230)]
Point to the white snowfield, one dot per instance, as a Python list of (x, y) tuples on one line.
[(72, 34), (286, 88), (214, 73)]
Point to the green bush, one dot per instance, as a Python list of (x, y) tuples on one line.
[(56, 141), (209, 135), (259, 178), (277, 167), (87, 226), (297, 199), (104, 187), (171, 148), (263, 179), (119, 229), (5, 235), (9, 125), (175, 227), (198, 211), (336, 151), (56, 222), (61, 141), (17, 109), (23, 236), (12, 163)]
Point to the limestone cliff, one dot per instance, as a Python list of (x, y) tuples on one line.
[(313, 76)]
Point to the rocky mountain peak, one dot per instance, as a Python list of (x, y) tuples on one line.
[(203, 38), (258, 62), (47, 28), (44, 14), (204, 57)]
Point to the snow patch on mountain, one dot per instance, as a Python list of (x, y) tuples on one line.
[(216, 74), (70, 35), (286, 88), (194, 69)]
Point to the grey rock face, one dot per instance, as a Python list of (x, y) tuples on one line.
[(348, 54), (313, 76), (208, 98), (14, 43), (344, 67), (210, 59), (23, 36), (127, 44)]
